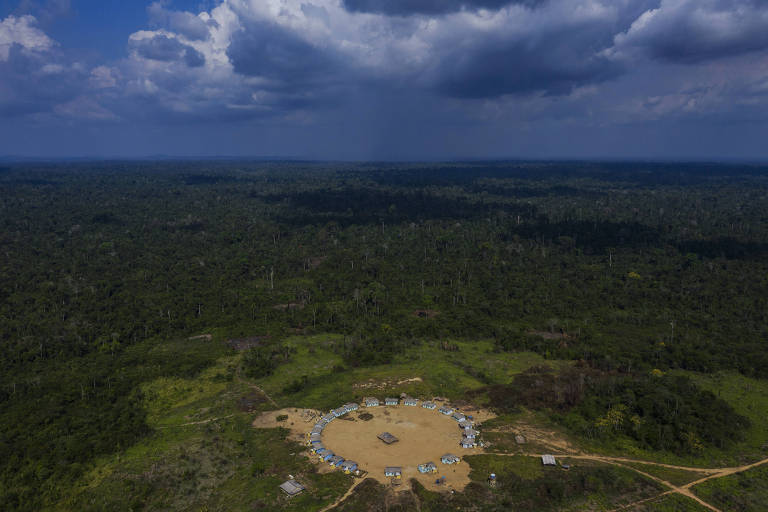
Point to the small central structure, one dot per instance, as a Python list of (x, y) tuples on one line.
[(387, 437), (548, 460), (291, 487)]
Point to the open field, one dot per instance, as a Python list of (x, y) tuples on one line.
[(742, 492), (420, 371)]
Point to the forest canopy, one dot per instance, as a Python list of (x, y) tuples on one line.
[(629, 270)]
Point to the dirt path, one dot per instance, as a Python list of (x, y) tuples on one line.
[(684, 490), (345, 496), (202, 422), (257, 388)]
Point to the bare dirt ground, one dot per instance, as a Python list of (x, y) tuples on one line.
[(537, 436), (424, 436), (299, 421), (384, 384)]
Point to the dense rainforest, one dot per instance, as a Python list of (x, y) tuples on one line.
[(629, 269)]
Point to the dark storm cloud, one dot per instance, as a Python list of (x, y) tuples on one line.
[(408, 7), (519, 68), (267, 50), (167, 49), (692, 31), (552, 59)]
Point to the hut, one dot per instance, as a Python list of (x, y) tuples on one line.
[(352, 406), (335, 461), (371, 402), (348, 466), (445, 410), (339, 412), (328, 455), (412, 402), (548, 460), (450, 458), (291, 487), (387, 438), (465, 423), (470, 433), (520, 439), (314, 439), (393, 471), (427, 467), (328, 418), (317, 447), (315, 432), (458, 416), (391, 401), (467, 443), (429, 405)]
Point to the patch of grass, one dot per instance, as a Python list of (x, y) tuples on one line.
[(742, 492), (676, 477), (221, 464), (524, 484), (527, 468), (748, 397), (670, 503), (324, 383), (368, 496)]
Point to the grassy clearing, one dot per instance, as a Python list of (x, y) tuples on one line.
[(524, 484), (441, 373), (748, 397), (742, 492), (670, 503), (221, 464), (674, 476)]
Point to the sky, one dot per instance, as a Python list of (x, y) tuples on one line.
[(385, 79)]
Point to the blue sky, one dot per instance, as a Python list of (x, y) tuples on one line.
[(385, 79)]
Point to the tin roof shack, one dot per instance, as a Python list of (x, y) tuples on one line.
[(548, 460), (339, 412), (465, 424), (352, 406), (335, 461), (427, 467), (315, 432), (393, 471), (328, 418), (411, 402), (429, 405), (458, 416), (321, 452), (391, 401), (520, 439), (467, 443), (387, 438), (328, 455), (470, 433), (315, 438), (348, 466), (450, 458), (445, 410), (291, 487), (317, 447), (371, 402)]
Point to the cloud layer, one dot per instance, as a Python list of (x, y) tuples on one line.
[(300, 62)]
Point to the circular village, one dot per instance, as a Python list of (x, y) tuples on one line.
[(396, 439)]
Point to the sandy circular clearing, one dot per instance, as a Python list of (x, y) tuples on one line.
[(424, 436)]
